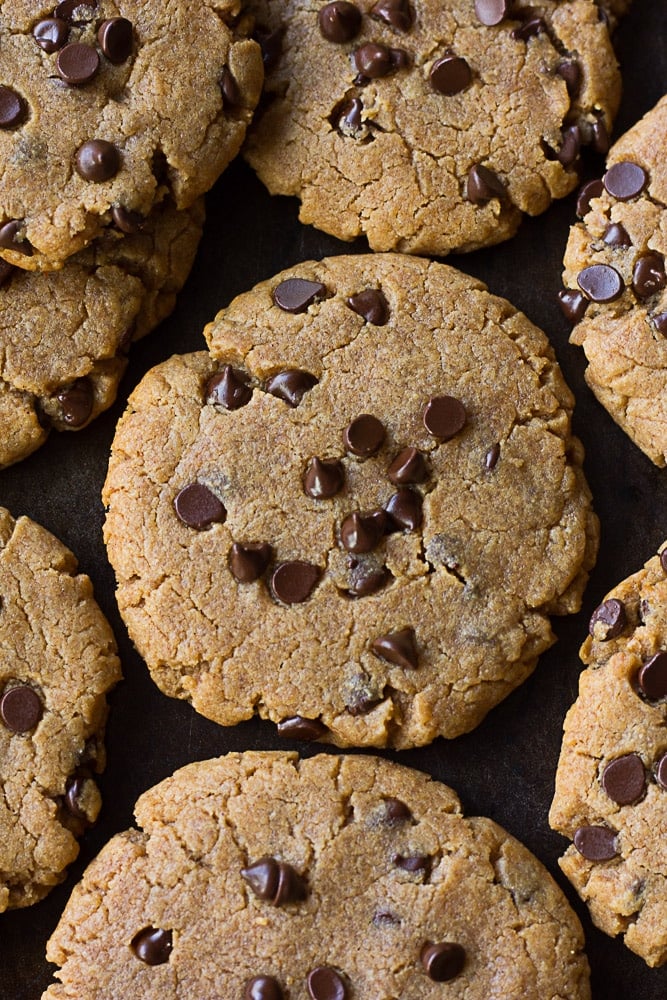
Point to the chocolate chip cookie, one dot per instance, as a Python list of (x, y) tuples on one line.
[(355, 514), (64, 335), (616, 286), (58, 660), (257, 875), (107, 107), (429, 127), (611, 784)]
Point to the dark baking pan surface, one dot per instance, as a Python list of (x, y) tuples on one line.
[(505, 768)]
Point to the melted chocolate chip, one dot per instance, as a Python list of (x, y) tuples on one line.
[(51, 33), (125, 220), (323, 479), (367, 580), (299, 728), (97, 160), (275, 881), (262, 988), (661, 771), (573, 304), (248, 562), (450, 75), (397, 14), (115, 38), (361, 532), (570, 71), (152, 945), (660, 323), (570, 146), (293, 582), (346, 117), (408, 467), (596, 843), (364, 435), (20, 708), (324, 983), (405, 509), (483, 185), (615, 235), (198, 507), (398, 648), (600, 138), (608, 620), (395, 812), (491, 457), (290, 385), (76, 403), (374, 61), (339, 21), (529, 29), (229, 88), (648, 275), (652, 677), (73, 792), (294, 295), (229, 388), (413, 863), (600, 282), (77, 64), (593, 189), (625, 180), (69, 9), (491, 12), (10, 237), (371, 304), (12, 108), (443, 961), (624, 779), (444, 417)]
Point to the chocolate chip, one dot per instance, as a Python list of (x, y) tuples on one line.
[(248, 562), (294, 295), (652, 677), (231, 95), (198, 507), (361, 532), (262, 988), (367, 580), (615, 235), (529, 29), (299, 728), (126, 221), (73, 791), (413, 863), (570, 71), (663, 560), (596, 843), (573, 304), (374, 61), (409, 466), (323, 479), (371, 304), (491, 12), (271, 44), (483, 185), (395, 812), (648, 275), (661, 771), (361, 704), (76, 403), (444, 417), (339, 21), (385, 918), (6, 270), (51, 33), (115, 38), (77, 64), (12, 108), (624, 779), (275, 881), (450, 75), (324, 983), (20, 708), (346, 117), (660, 323), (491, 457), (293, 582), (405, 509), (443, 961), (10, 237), (600, 138), (608, 620), (593, 189), (290, 385), (600, 282), (229, 388), (364, 435), (399, 648), (625, 180), (570, 146), (152, 945), (97, 160), (397, 14), (79, 9)]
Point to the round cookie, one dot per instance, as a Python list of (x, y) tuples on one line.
[(355, 514), (257, 875), (425, 126), (611, 783), (107, 107), (616, 288), (58, 660), (64, 335)]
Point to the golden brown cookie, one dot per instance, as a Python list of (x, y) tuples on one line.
[(611, 784), (355, 515), (262, 876)]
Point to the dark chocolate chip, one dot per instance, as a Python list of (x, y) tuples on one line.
[(364, 435), (491, 12), (660, 323), (262, 988), (570, 146), (367, 580), (395, 812), (79, 9), (6, 270), (450, 75), (648, 275), (323, 479), (444, 417), (491, 457), (661, 771), (413, 862), (652, 677), (408, 467), (271, 44), (324, 983), (290, 385), (275, 881), (608, 620), (371, 304), (615, 235), (116, 39), (20, 708), (596, 843), (570, 71), (346, 117), (399, 648), (231, 95), (397, 14), (443, 961), (361, 704), (573, 304), (299, 728), (361, 532), (663, 560), (73, 792), (248, 562), (76, 403), (483, 185), (77, 64), (339, 21), (97, 160), (126, 221), (624, 779), (593, 189), (405, 509), (228, 388), (12, 108), (10, 237), (293, 582), (152, 945), (600, 282), (625, 180), (374, 61), (600, 138), (294, 295), (51, 33), (529, 29), (198, 507)]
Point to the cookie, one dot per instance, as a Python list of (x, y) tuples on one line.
[(257, 875), (58, 660), (355, 514), (107, 107), (429, 127), (616, 288), (611, 783), (64, 335)]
